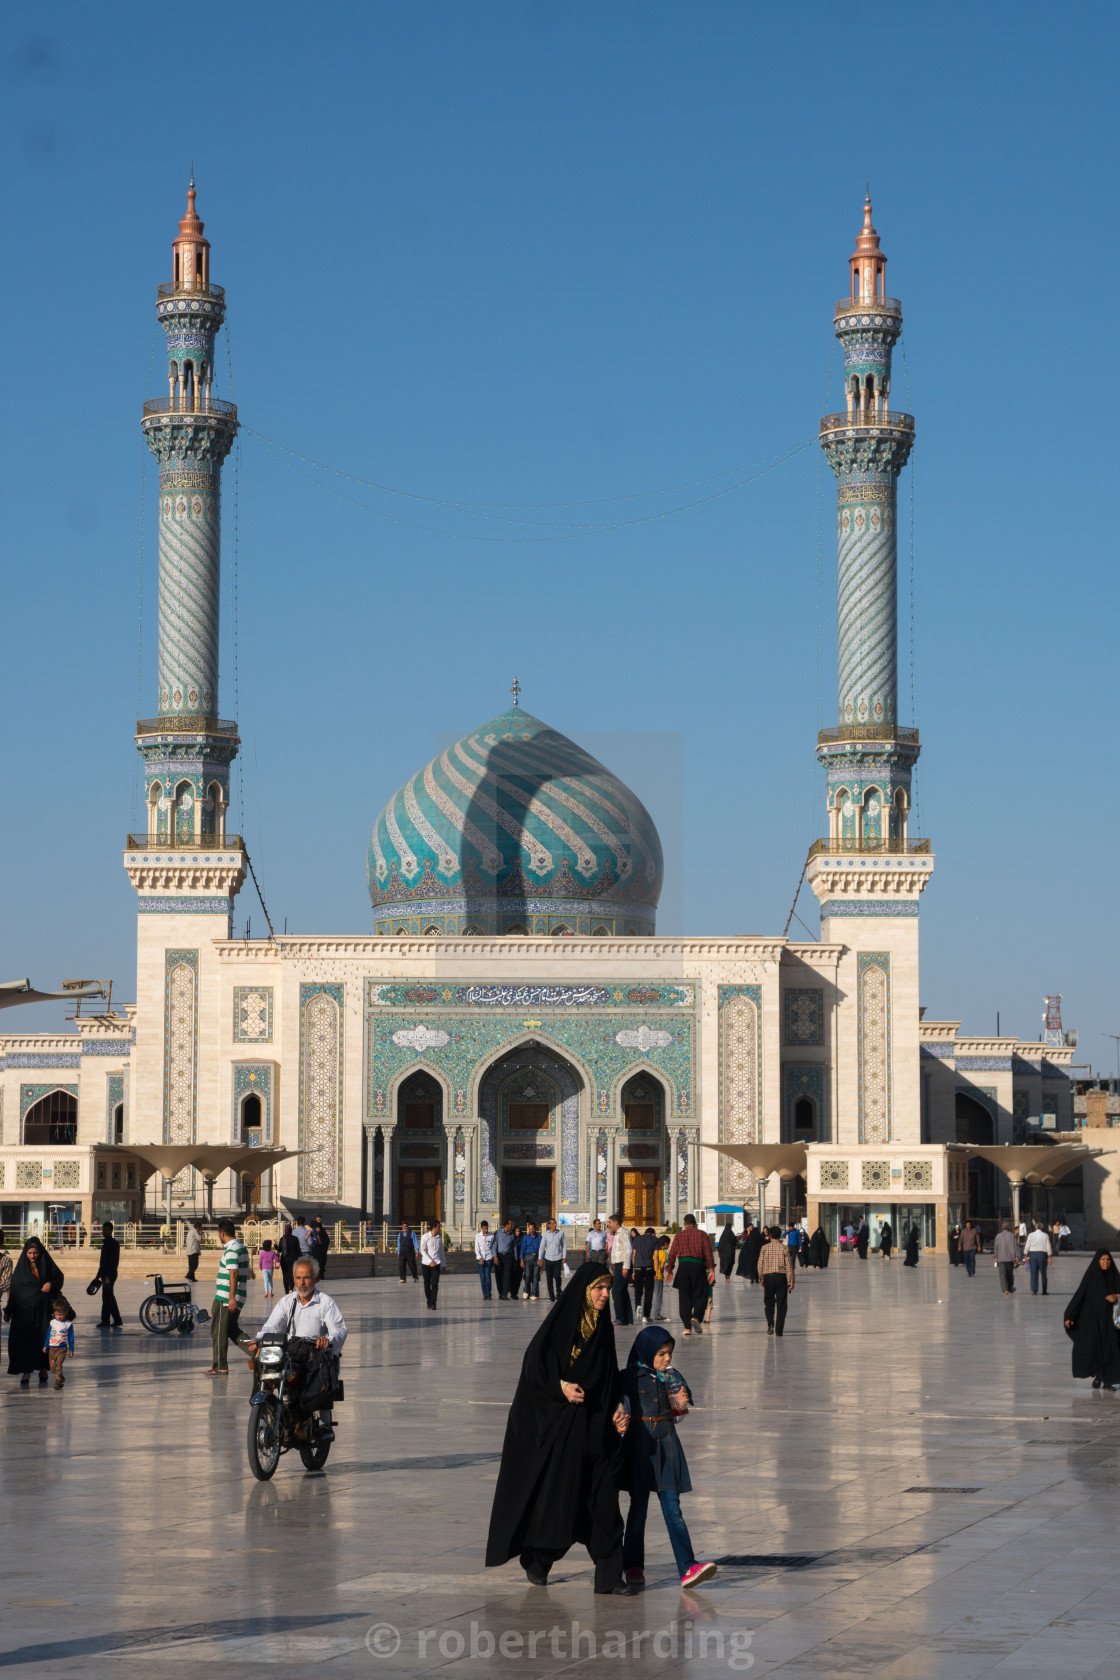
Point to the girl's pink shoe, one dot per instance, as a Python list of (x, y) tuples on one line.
[(698, 1572)]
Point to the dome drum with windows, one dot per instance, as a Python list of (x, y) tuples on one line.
[(514, 829)]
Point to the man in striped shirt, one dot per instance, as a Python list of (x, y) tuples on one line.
[(230, 1290), (775, 1273)]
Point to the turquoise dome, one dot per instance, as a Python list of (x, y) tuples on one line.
[(514, 829)]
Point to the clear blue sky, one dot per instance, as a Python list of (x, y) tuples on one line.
[(558, 253)]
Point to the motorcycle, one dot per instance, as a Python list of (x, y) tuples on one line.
[(279, 1418)]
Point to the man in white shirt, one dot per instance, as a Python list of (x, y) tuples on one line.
[(432, 1257), (621, 1269), (595, 1248), (553, 1253), (484, 1259), (1037, 1251), (306, 1312)]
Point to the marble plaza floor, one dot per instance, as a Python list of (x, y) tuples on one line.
[(908, 1485)]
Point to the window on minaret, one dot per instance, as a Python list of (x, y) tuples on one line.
[(251, 1118), (804, 1118)]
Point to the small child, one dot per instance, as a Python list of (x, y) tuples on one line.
[(267, 1262), (655, 1461), (60, 1337)]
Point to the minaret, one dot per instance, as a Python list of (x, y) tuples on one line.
[(187, 750), (186, 868), (869, 873)]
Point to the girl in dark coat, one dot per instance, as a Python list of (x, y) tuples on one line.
[(561, 1459), (1089, 1326), (725, 1248), (654, 1461), (912, 1247), (36, 1280)]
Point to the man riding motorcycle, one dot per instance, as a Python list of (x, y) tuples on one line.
[(305, 1314)]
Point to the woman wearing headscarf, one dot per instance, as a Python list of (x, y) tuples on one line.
[(886, 1239), (1089, 1324), (725, 1248), (912, 1247), (749, 1250), (5, 1272), (562, 1455), (820, 1248), (36, 1280)]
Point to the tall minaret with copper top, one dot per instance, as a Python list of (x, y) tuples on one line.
[(870, 871)]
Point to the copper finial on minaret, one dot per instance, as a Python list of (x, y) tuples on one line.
[(191, 251)]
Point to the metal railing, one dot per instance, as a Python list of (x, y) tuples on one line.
[(168, 289), (187, 723), (869, 306), (869, 848), (209, 405), (887, 418), (867, 732), (176, 843)]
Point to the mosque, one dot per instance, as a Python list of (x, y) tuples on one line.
[(513, 1037)]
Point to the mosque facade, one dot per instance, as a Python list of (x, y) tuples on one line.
[(513, 1037)]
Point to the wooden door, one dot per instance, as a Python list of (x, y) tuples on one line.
[(418, 1195), (640, 1197)]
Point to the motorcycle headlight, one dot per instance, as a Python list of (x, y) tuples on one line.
[(270, 1356)]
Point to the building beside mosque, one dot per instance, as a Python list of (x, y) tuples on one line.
[(513, 1037)]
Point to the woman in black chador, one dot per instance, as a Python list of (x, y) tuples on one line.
[(1089, 1324), (562, 1456), (725, 1248), (36, 1280), (912, 1247), (749, 1250), (820, 1248)]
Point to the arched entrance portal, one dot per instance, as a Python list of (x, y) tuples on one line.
[(641, 1173), (528, 1104), (420, 1145), (976, 1125)]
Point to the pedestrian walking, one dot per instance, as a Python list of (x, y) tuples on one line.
[(320, 1245), (660, 1250), (821, 1248), (230, 1291), (955, 1245), (266, 1260), (504, 1255), (529, 1255), (5, 1274), (595, 1248), (690, 1257), (970, 1246), (1022, 1235), (433, 1257), (863, 1238), (407, 1245), (644, 1247), (653, 1459), (561, 1458), (59, 1343), (192, 1247), (620, 1254), (749, 1250), (289, 1252), (725, 1248), (484, 1259), (108, 1267), (1006, 1252), (775, 1270), (518, 1269), (36, 1280), (553, 1253), (302, 1234), (911, 1247), (1037, 1252), (1090, 1322), (886, 1239)]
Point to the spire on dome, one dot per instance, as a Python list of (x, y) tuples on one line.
[(515, 690), (190, 249), (191, 225), (867, 239)]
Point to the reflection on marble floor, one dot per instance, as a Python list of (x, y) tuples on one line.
[(908, 1485)]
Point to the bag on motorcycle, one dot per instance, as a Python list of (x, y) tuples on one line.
[(319, 1370)]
